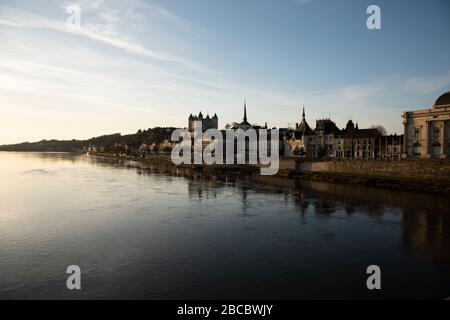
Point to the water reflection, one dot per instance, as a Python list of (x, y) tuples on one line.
[(141, 231), (425, 217)]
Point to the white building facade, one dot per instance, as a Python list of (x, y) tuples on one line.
[(427, 132)]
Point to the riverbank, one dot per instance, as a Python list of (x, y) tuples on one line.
[(441, 186), (291, 177)]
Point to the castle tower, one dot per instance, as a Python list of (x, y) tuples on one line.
[(215, 122)]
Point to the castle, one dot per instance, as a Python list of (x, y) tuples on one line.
[(207, 123)]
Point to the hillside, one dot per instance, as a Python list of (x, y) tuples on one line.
[(108, 142)]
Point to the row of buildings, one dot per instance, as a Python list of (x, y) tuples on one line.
[(426, 134), (326, 140)]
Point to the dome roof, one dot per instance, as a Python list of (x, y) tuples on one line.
[(443, 99)]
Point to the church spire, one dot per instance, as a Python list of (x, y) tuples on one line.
[(245, 111), (303, 114)]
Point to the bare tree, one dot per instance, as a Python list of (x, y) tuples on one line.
[(380, 128)]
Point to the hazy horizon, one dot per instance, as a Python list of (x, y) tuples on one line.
[(138, 64)]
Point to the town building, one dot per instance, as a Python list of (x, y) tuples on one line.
[(390, 147), (355, 143), (326, 140), (323, 138), (427, 132), (296, 141), (312, 143)]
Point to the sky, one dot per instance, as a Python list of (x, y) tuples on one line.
[(137, 64)]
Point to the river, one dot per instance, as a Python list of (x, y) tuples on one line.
[(141, 233)]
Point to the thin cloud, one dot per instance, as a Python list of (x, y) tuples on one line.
[(428, 84), (22, 19), (15, 64)]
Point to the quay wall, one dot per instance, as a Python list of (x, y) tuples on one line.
[(405, 168), (412, 168)]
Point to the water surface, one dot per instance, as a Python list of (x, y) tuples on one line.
[(139, 233)]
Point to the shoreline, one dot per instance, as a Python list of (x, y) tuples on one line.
[(291, 177)]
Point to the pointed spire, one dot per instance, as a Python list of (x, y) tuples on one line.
[(245, 111), (357, 128), (303, 114)]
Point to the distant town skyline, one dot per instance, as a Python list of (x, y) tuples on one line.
[(136, 64)]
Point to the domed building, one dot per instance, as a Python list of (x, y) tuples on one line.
[(443, 100), (427, 131)]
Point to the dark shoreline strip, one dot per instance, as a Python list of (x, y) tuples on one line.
[(387, 182)]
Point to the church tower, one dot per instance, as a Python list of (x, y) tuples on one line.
[(245, 111), (303, 126)]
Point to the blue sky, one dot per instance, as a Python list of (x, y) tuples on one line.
[(138, 64)]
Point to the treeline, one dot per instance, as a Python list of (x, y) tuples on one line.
[(106, 142)]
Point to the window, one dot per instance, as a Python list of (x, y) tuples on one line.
[(416, 133), (436, 134), (416, 149)]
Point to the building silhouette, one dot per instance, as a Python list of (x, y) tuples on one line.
[(207, 122)]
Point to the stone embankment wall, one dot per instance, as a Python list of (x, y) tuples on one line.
[(406, 168)]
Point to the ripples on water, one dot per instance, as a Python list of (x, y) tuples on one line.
[(138, 233)]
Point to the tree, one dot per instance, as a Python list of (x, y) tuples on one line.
[(380, 128)]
